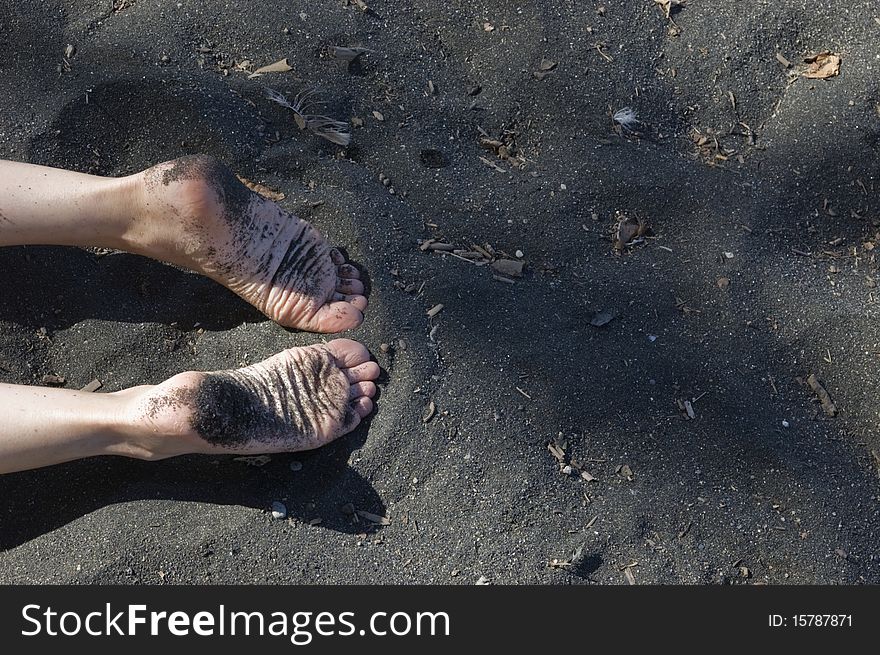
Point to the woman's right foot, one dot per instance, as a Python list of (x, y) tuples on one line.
[(299, 399), (198, 215)]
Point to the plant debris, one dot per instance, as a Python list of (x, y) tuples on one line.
[(92, 386), (567, 465), (280, 66), (629, 231), (54, 380), (505, 268), (429, 412), (782, 60), (305, 101), (828, 405), (625, 472), (261, 189), (436, 309), (373, 518), (504, 147), (710, 150), (686, 408), (669, 7), (627, 118), (822, 65), (546, 67)]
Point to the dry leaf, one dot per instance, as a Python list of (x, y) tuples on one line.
[(378, 116), (280, 66), (822, 65), (374, 518), (627, 230), (430, 410), (262, 189), (547, 65)]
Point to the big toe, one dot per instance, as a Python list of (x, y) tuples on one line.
[(347, 352), (336, 316)]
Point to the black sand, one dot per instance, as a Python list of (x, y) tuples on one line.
[(474, 491)]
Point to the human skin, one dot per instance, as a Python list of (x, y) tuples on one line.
[(194, 213)]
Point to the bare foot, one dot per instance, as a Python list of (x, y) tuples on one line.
[(299, 399), (198, 215)]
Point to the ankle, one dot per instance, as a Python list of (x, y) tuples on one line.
[(138, 229), (169, 207), (150, 430)]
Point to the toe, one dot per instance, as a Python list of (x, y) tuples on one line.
[(358, 301), (350, 286), (336, 316), (362, 406), (362, 372), (337, 257), (347, 270), (348, 353), (359, 389)]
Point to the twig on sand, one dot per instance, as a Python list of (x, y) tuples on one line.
[(92, 386), (599, 47), (828, 405)]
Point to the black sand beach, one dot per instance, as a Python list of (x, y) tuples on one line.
[(713, 461)]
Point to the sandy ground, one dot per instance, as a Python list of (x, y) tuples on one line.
[(743, 169)]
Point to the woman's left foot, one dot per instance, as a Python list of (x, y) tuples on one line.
[(198, 215)]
